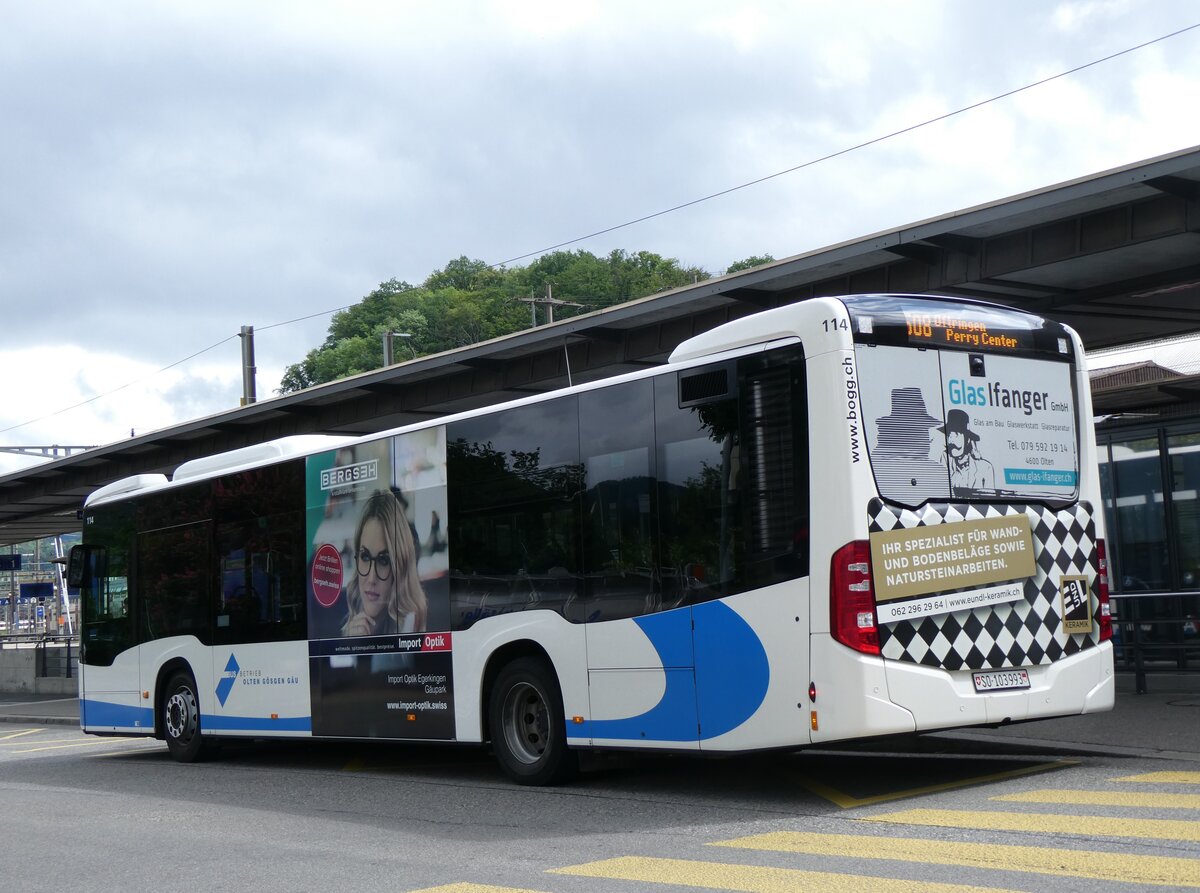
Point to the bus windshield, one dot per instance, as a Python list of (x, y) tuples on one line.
[(963, 402)]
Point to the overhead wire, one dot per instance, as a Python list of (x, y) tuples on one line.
[(679, 207), (871, 142)]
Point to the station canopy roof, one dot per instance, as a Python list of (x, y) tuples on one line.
[(1115, 255)]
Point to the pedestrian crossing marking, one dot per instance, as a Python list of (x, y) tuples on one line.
[(1139, 800), (753, 878), (1163, 778), (848, 801), (473, 888), (1146, 870), (1038, 823)]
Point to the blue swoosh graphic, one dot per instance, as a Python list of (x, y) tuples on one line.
[(731, 670)]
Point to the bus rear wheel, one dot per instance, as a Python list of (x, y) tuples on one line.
[(529, 731), (181, 720)]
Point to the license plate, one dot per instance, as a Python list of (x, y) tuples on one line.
[(1001, 680)]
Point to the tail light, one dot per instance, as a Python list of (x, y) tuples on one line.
[(1105, 618), (852, 598)]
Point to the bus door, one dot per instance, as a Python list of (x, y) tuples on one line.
[(110, 690), (174, 603)]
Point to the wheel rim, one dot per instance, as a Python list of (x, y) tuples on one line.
[(182, 717), (526, 721)]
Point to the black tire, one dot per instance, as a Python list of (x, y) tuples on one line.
[(181, 720), (528, 729)]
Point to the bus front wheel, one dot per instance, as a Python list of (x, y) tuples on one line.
[(181, 720), (529, 732)]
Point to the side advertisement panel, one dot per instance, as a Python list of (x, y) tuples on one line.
[(378, 590)]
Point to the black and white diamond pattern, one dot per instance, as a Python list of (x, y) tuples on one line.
[(1016, 634)]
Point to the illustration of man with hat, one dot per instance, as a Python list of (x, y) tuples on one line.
[(902, 446), (969, 471)]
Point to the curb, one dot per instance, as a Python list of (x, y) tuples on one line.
[(1069, 747), (41, 720)]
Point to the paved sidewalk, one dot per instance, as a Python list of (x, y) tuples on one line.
[(1165, 722), (39, 709)]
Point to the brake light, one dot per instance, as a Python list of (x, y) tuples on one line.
[(1105, 618), (852, 598)]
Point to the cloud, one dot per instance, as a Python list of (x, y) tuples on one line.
[(172, 172)]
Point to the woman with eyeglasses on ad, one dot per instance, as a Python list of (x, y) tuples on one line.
[(385, 596)]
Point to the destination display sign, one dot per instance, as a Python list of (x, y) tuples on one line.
[(945, 329), (983, 328)]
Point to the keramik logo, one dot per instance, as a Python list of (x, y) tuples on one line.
[(229, 677)]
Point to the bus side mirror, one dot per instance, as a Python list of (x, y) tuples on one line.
[(77, 563)]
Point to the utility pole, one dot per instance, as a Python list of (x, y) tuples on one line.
[(248, 369), (549, 302)]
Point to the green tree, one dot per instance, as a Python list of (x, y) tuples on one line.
[(468, 301), (463, 274), (749, 263)]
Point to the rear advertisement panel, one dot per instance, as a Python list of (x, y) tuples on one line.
[(958, 425), (951, 426), (378, 594)]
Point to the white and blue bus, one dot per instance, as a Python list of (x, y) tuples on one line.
[(842, 518)]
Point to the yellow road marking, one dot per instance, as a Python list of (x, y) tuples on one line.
[(12, 735), (6, 743), (1106, 798), (472, 888), (1131, 869), (110, 754), (752, 878), (1035, 823), (846, 801), (110, 741), (1164, 778)]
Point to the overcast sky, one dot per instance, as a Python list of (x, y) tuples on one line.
[(170, 172)]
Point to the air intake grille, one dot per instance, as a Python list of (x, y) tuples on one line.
[(705, 386)]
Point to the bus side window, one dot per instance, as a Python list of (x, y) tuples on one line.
[(260, 566), (774, 457), (621, 565), (513, 504), (697, 448), (174, 582)]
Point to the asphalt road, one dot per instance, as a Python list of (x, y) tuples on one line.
[(85, 813)]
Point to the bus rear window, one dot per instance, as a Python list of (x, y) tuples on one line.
[(961, 425)]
